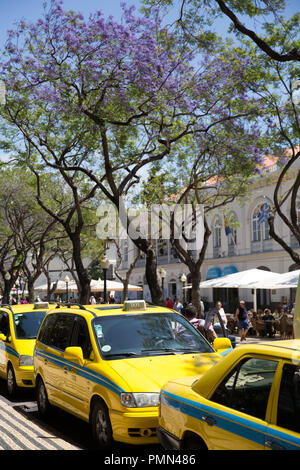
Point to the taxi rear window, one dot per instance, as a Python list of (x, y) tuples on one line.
[(140, 335), (27, 324)]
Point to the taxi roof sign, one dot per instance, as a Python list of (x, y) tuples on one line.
[(38, 305), (134, 305)]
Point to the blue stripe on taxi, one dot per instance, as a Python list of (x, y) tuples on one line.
[(245, 428), (82, 371)]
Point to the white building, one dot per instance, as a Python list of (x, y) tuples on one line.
[(249, 246)]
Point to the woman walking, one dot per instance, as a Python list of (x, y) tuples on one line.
[(241, 316)]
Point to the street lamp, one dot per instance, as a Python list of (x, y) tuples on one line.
[(7, 277), (183, 280), (17, 284), (105, 263), (67, 280), (163, 274)]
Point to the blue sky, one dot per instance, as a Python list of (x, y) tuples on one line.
[(12, 10)]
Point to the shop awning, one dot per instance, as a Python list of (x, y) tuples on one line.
[(214, 272)]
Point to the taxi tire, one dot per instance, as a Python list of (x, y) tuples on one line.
[(101, 425), (192, 441), (11, 383), (43, 404)]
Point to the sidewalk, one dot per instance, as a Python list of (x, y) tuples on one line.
[(257, 339), (19, 432)]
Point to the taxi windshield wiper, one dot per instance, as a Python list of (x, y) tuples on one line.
[(171, 350), (127, 354)]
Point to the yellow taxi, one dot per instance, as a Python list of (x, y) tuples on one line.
[(249, 401), (106, 364), (19, 325)]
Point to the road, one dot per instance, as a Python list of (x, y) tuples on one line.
[(21, 428)]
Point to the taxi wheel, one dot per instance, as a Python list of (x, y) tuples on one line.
[(192, 441), (101, 426), (11, 381), (42, 399)]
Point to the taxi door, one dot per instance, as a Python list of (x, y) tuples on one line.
[(58, 329), (236, 416), (76, 383), (4, 329), (284, 429)]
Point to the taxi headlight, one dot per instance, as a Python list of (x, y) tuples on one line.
[(26, 361), (139, 400)]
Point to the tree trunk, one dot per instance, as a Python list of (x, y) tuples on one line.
[(196, 297), (8, 285), (125, 289), (82, 273), (155, 287), (30, 287)]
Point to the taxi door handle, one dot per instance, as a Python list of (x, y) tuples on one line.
[(209, 420), (274, 446)]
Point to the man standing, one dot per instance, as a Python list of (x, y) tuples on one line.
[(241, 315), (178, 305), (222, 313), (169, 303)]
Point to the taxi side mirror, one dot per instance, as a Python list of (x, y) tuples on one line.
[(5, 338), (221, 343), (75, 354)]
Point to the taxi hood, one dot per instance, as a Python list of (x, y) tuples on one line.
[(149, 374)]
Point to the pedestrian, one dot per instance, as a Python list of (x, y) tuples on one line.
[(169, 303), (222, 313), (178, 305), (269, 321), (293, 311), (191, 316), (92, 300), (241, 316), (209, 324)]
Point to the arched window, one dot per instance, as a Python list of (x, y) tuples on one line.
[(217, 233), (231, 232), (260, 225)]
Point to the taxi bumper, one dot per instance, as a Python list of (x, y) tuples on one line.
[(25, 376), (134, 427), (168, 440)]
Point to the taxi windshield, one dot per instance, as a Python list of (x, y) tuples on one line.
[(151, 334), (27, 324)]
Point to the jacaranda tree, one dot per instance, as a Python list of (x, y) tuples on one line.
[(129, 91)]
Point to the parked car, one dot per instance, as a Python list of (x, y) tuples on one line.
[(107, 365), (248, 401), (19, 325)]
